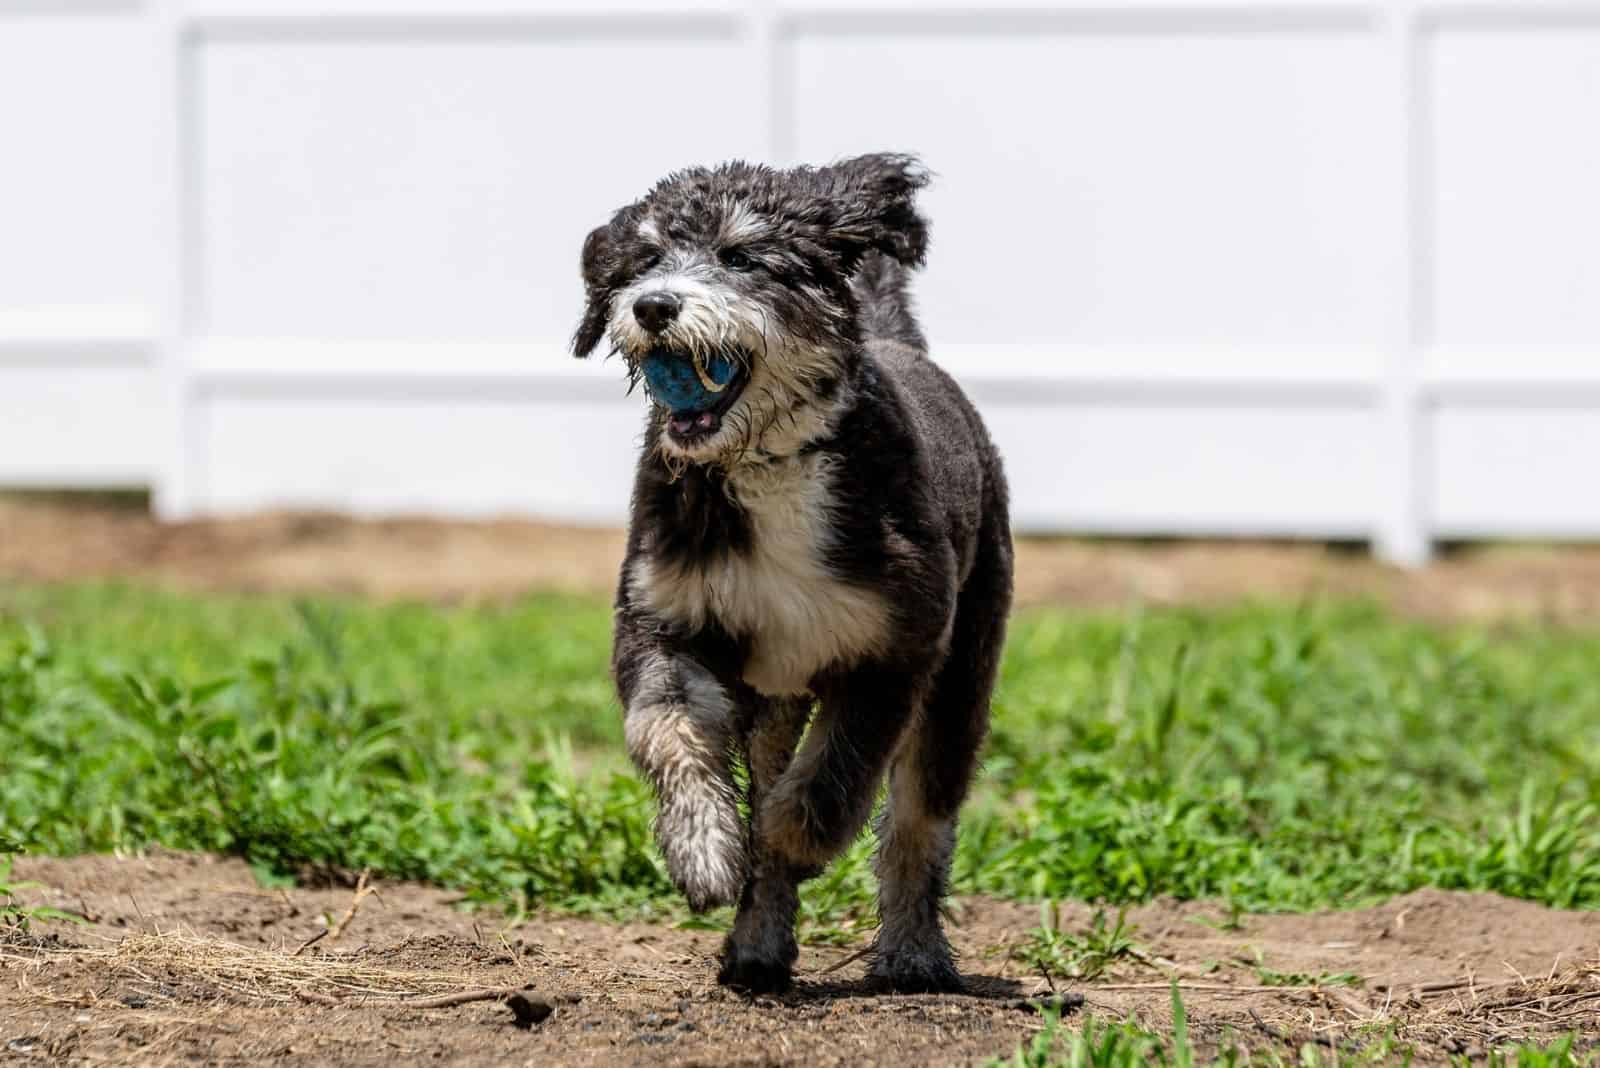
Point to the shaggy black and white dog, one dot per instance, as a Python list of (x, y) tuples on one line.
[(824, 530)]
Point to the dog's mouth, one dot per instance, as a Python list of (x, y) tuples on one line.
[(696, 391)]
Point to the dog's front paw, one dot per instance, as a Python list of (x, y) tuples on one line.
[(708, 868), (684, 751), (752, 974)]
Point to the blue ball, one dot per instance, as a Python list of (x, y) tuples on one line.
[(673, 381)]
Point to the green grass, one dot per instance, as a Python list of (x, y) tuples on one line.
[(1053, 951), (1275, 757), (1102, 1043), (17, 917), (1273, 977)]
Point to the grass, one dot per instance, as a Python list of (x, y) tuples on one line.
[(1053, 951), (1273, 977), (1275, 757), (1101, 1043)]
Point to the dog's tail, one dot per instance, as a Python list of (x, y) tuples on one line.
[(886, 309)]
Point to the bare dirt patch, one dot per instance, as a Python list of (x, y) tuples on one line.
[(187, 959), (46, 539), (54, 538)]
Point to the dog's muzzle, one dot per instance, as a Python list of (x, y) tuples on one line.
[(696, 391)]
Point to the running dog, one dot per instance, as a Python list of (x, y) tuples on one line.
[(819, 546)]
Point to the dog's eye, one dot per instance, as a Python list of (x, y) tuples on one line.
[(736, 259), (649, 259)]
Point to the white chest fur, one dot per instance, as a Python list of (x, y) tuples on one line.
[(798, 618)]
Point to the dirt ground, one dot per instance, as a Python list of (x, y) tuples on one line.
[(187, 959), (48, 538)]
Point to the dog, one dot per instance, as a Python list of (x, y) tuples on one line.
[(818, 524)]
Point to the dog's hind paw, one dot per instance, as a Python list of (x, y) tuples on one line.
[(911, 972)]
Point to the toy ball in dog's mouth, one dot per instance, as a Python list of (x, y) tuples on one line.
[(696, 391)]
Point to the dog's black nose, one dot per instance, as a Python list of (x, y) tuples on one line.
[(655, 311)]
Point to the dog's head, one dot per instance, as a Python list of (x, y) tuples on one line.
[(728, 290)]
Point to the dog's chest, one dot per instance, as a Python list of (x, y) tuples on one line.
[(777, 594)]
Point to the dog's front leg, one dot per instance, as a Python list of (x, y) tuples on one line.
[(760, 951), (680, 728)]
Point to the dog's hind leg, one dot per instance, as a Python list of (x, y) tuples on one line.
[(928, 782), (760, 951), (819, 805), (679, 725)]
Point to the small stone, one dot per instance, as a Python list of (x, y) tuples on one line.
[(526, 1013)]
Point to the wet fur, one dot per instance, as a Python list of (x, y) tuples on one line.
[(839, 552)]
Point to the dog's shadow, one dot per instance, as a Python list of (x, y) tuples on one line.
[(990, 989)]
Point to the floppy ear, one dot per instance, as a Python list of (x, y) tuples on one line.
[(598, 264), (875, 201)]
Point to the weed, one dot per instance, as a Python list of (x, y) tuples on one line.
[(1058, 953), (1272, 977), (19, 918)]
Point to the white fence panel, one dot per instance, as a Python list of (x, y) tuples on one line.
[(77, 245), (1286, 267)]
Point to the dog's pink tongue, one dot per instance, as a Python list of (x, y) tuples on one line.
[(682, 424)]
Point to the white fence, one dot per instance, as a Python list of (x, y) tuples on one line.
[(1325, 269)]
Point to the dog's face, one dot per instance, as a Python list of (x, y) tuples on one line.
[(740, 276)]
